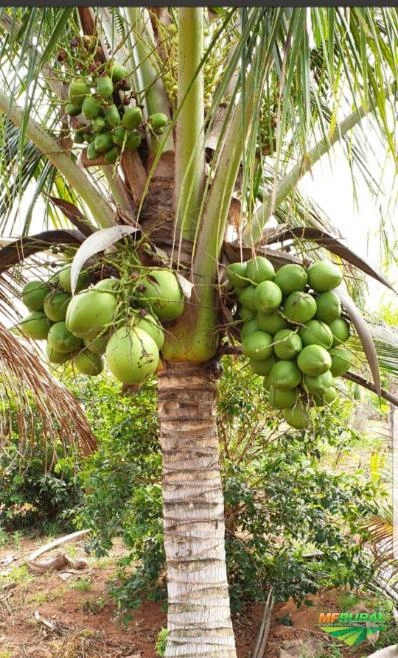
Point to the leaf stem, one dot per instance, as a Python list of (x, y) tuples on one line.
[(101, 211)]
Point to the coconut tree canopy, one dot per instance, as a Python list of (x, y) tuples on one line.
[(168, 138)]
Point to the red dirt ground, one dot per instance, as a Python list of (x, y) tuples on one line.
[(86, 620)]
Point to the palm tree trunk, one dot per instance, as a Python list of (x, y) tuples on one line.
[(199, 619)]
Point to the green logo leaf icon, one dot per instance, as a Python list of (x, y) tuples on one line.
[(348, 634)]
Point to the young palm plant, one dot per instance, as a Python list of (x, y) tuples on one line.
[(237, 105)]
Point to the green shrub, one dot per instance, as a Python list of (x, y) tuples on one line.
[(289, 519), (38, 480)]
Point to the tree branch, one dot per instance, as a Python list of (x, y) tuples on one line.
[(99, 208)]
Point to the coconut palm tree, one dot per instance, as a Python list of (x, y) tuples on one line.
[(253, 97)]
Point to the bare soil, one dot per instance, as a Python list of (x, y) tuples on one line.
[(45, 616)]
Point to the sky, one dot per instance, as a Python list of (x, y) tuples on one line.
[(330, 184)]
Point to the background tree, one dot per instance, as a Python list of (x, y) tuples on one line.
[(255, 97)]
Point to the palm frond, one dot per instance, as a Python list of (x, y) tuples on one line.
[(25, 378)]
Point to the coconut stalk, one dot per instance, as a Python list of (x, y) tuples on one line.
[(100, 209), (143, 49), (190, 147)]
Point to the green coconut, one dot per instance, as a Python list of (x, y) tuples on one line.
[(236, 274), (315, 332), (108, 285), (341, 360), (57, 357), (34, 294), (161, 292), (99, 125), (327, 397), (314, 360), (151, 325), (330, 395), (287, 344), (65, 281), (112, 116), (260, 269), (119, 134), (257, 346), (271, 322), (103, 142), (340, 330), (300, 307), (279, 399), (90, 108), (328, 306), (60, 339), (297, 416), (133, 141), (245, 314), (78, 89), (98, 344), (247, 297), (132, 118), (267, 297), (249, 327), (262, 367), (132, 355), (285, 375), (56, 304), (90, 312), (92, 153), (36, 325), (104, 87), (88, 363), (291, 278), (324, 276), (266, 383), (111, 156), (118, 72), (73, 110), (158, 121), (319, 383)]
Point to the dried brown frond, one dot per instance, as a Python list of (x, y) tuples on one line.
[(26, 384)]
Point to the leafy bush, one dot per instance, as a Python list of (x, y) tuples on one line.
[(38, 480), (290, 514), (290, 519), (121, 480)]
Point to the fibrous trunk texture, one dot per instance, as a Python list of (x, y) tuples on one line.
[(199, 619)]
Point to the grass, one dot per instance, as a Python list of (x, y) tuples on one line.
[(347, 600), (94, 606), (81, 585), (39, 597), (19, 575)]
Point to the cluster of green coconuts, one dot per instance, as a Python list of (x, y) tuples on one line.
[(108, 129), (293, 332), (98, 321)]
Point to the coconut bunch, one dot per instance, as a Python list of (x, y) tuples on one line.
[(103, 321), (108, 128), (292, 331)]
